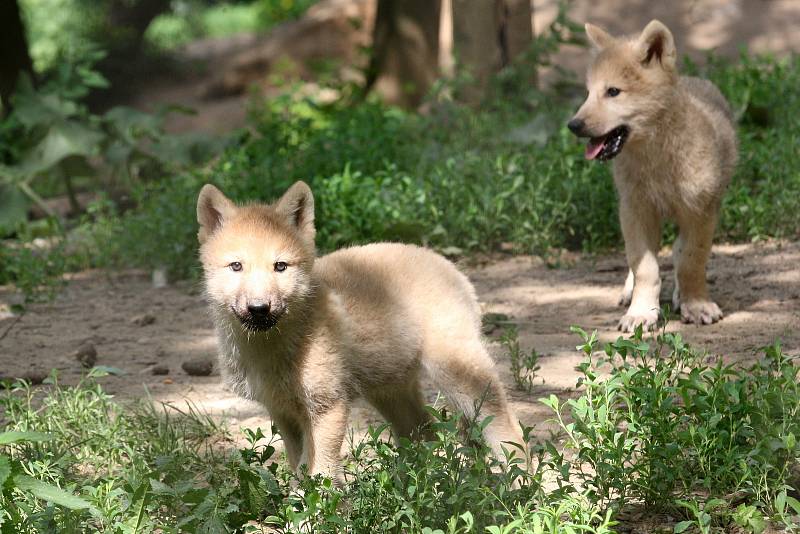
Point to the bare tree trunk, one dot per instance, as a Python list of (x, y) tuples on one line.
[(517, 28), (476, 43), (14, 56), (517, 33), (487, 36), (405, 57)]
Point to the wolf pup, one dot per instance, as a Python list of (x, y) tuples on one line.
[(673, 142), (305, 336)]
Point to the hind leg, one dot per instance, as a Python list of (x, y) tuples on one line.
[(404, 408), (467, 377)]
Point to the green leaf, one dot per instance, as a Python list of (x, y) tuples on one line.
[(105, 370), (131, 124), (138, 509), (63, 139), (5, 470), (48, 492), (35, 109), (13, 208), (14, 436), (682, 526)]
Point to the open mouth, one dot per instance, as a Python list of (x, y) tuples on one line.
[(607, 146)]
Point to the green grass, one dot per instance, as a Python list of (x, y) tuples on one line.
[(654, 429)]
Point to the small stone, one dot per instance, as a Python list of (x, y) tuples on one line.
[(86, 355), (160, 278), (198, 367), (156, 370), (167, 381), (144, 319), (34, 376)]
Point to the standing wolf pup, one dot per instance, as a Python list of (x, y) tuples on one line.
[(306, 336), (673, 142)]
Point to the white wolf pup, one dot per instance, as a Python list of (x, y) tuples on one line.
[(673, 142), (306, 336)]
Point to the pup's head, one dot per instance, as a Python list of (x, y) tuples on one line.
[(257, 258), (629, 84)]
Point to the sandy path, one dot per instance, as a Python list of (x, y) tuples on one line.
[(758, 287)]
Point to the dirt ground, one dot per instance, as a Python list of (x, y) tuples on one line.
[(757, 286)]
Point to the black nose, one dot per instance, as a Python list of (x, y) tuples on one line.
[(258, 309), (576, 126)]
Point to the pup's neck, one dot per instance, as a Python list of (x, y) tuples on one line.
[(667, 117)]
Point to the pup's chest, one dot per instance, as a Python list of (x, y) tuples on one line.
[(654, 179), (292, 380)]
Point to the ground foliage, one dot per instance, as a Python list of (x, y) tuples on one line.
[(655, 426)]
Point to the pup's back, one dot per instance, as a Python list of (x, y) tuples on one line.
[(708, 94), (405, 285)]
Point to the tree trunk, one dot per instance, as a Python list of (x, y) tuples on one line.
[(129, 20), (517, 28), (405, 57), (14, 56), (487, 36), (476, 44)]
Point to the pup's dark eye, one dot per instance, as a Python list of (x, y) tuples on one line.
[(280, 266), (235, 266), (613, 91)]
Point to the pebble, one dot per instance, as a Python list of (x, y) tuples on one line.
[(35, 376), (198, 366), (86, 355), (144, 319), (157, 370)]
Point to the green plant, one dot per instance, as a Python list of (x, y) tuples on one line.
[(15, 480), (50, 144), (523, 366), (648, 409), (49, 133), (653, 426)]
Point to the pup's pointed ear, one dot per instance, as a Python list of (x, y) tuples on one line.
[(212, 209), (297, 205), (598, 36), (657, 44)]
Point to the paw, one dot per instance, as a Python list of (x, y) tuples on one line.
[(634, 318), (700, 312)]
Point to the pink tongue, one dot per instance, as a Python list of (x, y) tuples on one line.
[(593, 147)]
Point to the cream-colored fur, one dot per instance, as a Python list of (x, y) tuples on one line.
[(363, 321), (675, 165)]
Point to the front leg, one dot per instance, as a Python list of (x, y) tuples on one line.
[(322, 440), (291, 433), (641, 228), (691, 253)]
